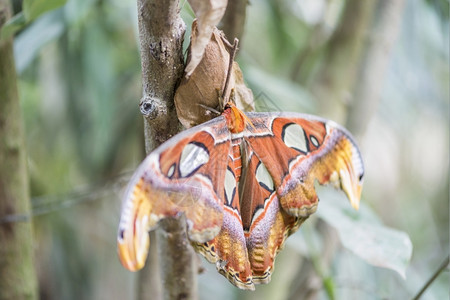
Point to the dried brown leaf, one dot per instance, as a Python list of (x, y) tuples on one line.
[(205, 86), (208, 14)]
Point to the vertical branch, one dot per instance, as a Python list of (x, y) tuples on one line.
[(161, 33), (345, 49), (373, 67), (350, 79), (149, 283), (233, 21), (17, 274)]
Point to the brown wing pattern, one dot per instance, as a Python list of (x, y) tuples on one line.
[(239, 218), (228, 249), (254, 227), (299, 149), (266, 225), (184, 175)]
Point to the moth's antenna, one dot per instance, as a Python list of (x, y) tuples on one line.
[(234, 48), (209, 108), (263, 98)]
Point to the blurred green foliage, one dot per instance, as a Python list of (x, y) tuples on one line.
[(31, 9), (80, 88)]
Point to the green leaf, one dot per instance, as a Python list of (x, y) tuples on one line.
[(34, 8), (362, 233), (30, 41), (330, 287), (13, 25), (31, 10)]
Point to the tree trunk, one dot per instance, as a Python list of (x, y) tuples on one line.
[(348, 86), (161, 33), (17, 273), (373, 66), (336, 77), (233, 21)]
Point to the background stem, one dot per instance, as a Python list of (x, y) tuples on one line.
[(17, 273)]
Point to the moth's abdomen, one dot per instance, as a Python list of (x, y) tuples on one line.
[(237, 157)]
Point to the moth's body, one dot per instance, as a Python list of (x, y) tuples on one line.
[(244, 182), (237, 143)]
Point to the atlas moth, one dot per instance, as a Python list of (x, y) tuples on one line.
[(245, 182)]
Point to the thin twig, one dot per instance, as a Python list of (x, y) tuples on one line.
[(230, 70), (210, 109), (433, 278), (46, 204), (233, 21), (226, 42)]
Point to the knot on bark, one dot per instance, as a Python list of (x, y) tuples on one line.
[(148, 107)]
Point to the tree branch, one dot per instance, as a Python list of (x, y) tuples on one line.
[(161, 33), (338, 72), (233, 21), (373, 66), (17, 273), (433, 278)]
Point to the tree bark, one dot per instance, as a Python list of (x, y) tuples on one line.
[(17, 273), (161, 32)]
